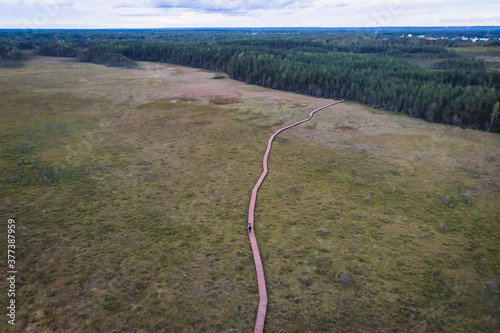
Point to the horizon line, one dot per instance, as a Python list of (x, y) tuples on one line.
[(270, 27)]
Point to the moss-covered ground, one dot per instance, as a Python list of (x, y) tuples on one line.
[(130, 191)]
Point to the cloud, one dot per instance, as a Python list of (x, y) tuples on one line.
[(328, 4), (245, 13), (139, 15), (133, 4), (471, 19), (65, 3), (59, 3), (232, 6)]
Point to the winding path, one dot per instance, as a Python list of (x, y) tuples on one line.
[(261, 281)]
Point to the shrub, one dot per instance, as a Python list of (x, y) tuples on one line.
[(105, 55)]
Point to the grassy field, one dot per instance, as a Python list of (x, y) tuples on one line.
[(130, 190)]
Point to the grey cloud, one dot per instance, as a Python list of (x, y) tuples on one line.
[(337, 5), (134, 4), (230, 5)]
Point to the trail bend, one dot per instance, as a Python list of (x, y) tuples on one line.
[(261, 281)]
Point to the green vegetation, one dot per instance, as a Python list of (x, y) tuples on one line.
[(488, 54), (413, 76), (460, 96), (10, 55), (466, 64), (105, 55), (130, 191), (59, 49)]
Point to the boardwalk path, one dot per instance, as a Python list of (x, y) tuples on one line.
[(261, 281)]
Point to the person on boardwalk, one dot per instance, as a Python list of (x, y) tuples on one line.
[(249, 228)]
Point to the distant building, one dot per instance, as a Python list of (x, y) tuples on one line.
[(427, 38)]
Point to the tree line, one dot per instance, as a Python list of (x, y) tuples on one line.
[(10, 55), (462, 94), (357, 67)]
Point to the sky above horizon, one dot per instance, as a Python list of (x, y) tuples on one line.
[(71, 14)]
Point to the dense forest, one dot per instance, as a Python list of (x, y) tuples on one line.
[(10, 55), (375, 70)]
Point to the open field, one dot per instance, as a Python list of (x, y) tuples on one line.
[(130, 190), (489, 54)]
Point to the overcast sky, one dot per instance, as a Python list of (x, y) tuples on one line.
[(245, 13)]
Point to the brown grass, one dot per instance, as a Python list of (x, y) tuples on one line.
[(393, 226), (224, 100)]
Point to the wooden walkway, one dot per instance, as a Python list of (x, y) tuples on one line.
[(261, 281)]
